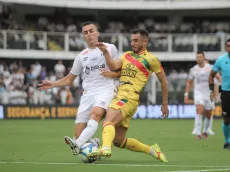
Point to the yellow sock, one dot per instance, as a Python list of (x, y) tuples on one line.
[(108, 134), (135, 145)]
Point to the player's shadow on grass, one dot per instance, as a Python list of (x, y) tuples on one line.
[(127, 162)]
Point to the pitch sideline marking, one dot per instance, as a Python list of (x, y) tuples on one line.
[(205, 170), (130, 165)]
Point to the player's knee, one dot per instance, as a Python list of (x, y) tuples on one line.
[(120, 142), (96, 116), (117, 143)]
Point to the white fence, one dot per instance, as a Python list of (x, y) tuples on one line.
[(129, 4), (56, 41)]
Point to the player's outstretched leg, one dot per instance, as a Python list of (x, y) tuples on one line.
[(136, 146), (72, 144), (158, 154), (108, 135)]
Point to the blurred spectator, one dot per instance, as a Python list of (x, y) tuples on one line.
[(13, 66), (173, 76), (59, 69), (43, 74), (7, 78), (64, 96), (37, 69), (33, 92), (3, 93), (1, 68), (30, 75), (17, 96), (18, 78)]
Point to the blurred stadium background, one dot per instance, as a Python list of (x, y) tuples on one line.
[(39, 40)]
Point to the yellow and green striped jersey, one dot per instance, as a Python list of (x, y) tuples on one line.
[(135, 71)]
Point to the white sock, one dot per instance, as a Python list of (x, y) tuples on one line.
[(206, 124), (87, 133), (210, 123), (195, 122), (198, 124)]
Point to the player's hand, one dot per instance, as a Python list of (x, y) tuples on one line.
[(106, 73), (212, 95), (165, 111), (45, 85), (102, 46)]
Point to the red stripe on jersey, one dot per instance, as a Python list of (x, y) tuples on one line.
[(85, 52), (138, 64)]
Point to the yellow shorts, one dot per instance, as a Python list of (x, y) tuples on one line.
[(127, 106)]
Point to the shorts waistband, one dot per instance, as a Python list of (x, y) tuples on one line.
[(128, 91)]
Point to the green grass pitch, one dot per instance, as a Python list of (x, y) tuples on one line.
[(37, 146)]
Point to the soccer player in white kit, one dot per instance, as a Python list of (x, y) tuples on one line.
[(98, 90), (199, 74)]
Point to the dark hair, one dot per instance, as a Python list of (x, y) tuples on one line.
[(141, 31), (200, 52), (228, 40), (87, 23)]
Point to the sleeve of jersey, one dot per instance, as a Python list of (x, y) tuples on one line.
[(190, 75), (77, 66), (113, 51), (156, 66), (216, 66)]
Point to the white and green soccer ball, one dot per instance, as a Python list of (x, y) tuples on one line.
[(85, 150)]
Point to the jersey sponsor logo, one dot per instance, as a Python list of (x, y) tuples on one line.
[(141, 66), (126, 82), (97, 67), (85, 58), (128, 71), (87, 70), (93, 68)]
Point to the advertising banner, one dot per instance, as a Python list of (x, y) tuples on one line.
[(69, 111)]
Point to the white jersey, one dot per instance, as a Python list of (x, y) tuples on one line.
[(89, 62), (200, 77)]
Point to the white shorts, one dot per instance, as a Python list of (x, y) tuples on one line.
[(205, 102), (90, 100)]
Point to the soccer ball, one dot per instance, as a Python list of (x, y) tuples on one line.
[(85, 150)]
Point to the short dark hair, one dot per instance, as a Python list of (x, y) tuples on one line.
[(200, 52), (142, 32), (88, 23), (228, 40)]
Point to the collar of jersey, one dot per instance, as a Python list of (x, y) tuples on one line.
[(143, 52)]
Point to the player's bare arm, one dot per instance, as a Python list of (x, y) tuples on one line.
[(164, 87), (211, 84), (110, 74), (218, 77), (187, 90), (68, 80), (113, 65)]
